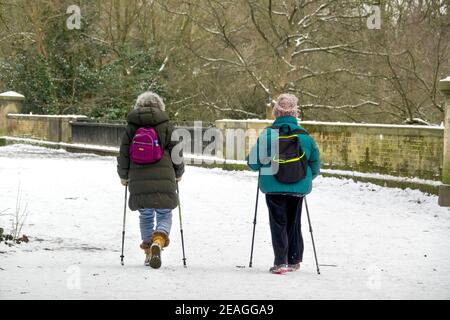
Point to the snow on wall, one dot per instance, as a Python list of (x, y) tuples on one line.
[(45, 116), (12, 94)]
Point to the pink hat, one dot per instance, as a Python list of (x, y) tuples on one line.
[(286, 105)]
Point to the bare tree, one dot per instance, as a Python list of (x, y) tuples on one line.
[(213, 59), (275, 44)]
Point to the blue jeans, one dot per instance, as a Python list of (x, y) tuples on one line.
[(147, 222)]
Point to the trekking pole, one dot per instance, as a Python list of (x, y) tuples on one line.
[(124, 220), (181, 226), (254, 221), (312, 237)]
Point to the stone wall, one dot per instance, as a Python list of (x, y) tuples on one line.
[(408, 151), (108, 134), (405, 151), (41, 127), (104, 134)]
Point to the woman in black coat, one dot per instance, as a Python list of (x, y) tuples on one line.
[(152, 186)]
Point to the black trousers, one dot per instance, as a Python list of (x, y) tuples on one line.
[(285, 226)]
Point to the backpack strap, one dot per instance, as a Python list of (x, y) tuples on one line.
[(269, 135)]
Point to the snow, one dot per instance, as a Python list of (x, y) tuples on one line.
[(374, 242), (246, 120), (337, 123), (12, 94), (30, 115), (163, 65), (196, 158), (380, 176), (374, 125), (79, 146)]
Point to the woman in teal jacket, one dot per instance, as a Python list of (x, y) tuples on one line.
[(284, 200)]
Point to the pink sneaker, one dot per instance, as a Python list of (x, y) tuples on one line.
[(293, 267), (281, 269)]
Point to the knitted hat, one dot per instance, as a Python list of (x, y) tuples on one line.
[(286, 105), (149, 99)]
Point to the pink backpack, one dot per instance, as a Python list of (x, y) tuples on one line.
[(145, 147)]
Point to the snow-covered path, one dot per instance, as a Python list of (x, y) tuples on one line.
[(376, 242)]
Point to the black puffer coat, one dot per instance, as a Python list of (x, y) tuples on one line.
[(153, 185)]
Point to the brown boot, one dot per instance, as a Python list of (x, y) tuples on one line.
[(146, 246), (159, 241), (161, 238)]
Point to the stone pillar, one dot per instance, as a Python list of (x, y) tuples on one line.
[(444, 189), (10, 102)]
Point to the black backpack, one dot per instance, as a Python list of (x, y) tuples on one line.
[(291, 159)]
